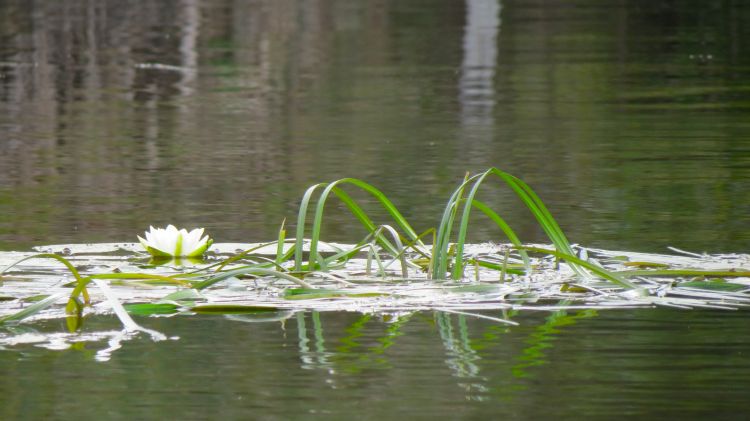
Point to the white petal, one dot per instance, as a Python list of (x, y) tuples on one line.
[(191, 241), (166, 239)]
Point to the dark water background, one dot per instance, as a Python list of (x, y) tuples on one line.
[(631, 119)]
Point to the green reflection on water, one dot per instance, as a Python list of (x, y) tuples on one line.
[(542, 340), (432, 362)]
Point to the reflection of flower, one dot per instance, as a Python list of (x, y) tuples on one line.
[(169, 242)]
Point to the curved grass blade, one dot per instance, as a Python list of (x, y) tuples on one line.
[(596, 269), (527, 196), (366, 221), (355, 209), (445, 228), (397, 253), (243, 254), (301, 218), (32, 309), (500, 222), (81, 282), (74, 312)]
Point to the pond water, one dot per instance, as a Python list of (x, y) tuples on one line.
[(655, 363), (630, 119)]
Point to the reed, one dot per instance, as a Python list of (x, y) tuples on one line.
[(505, 278)]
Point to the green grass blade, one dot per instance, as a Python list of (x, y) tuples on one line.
[(377, 194), (242, 255), (301, 218), (147, 309), (363, 218), (500, 222), (232, 309), (464, 226), (596, 269), (314, 294), (537, 207), (445, 228), (80, 281), (249, 270), (138, 276), (32, 309), (532, 202), (674, 273), (280, 244)]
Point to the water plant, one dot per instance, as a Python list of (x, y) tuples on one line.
[(171, 242), (303, 273)]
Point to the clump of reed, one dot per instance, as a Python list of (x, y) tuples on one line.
[(309, 273)]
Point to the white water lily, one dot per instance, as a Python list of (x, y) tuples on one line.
[(171, 242)]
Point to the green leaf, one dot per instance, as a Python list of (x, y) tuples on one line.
[(613, 277), (146, 309), (713, 286), (190, 295), (231, 309), (74, 311), (646, 265), (310, 294), (35, 298), (32, 309)]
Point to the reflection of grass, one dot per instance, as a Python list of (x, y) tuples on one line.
[(462, 354), (462, 357), (542, 339), (317, 358), (350, 360)]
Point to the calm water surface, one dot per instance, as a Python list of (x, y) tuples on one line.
[(655, 363), (631, 119)]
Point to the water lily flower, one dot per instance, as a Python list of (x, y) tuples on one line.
[(171, 242)]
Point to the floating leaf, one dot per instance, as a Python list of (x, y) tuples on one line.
[(310, 294), (567, 287), (262, 317), (35, 298), (646, 265), (231, 309), (147, 309), (189, 295), (477, 289), (713, 285)]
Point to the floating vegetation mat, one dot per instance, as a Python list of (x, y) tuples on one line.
[(143, 287), (392, 270)]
